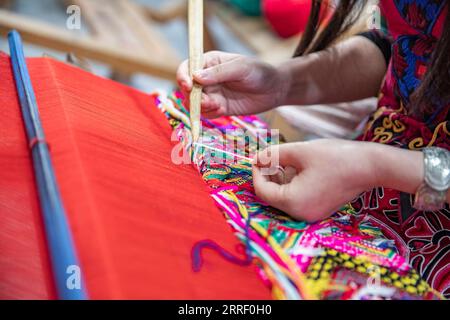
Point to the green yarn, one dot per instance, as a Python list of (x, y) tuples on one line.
[(249, 7)]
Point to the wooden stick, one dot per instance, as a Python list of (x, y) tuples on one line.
[(46, 35), (195, 18)]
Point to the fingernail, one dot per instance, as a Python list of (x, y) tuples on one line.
[(201, 75)]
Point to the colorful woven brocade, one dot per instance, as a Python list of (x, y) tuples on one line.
[(343, 257)]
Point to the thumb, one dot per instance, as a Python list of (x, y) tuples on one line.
[(284, 155), (270, 192), (225, 72)]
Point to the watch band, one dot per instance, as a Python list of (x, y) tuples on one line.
[(431, 195)]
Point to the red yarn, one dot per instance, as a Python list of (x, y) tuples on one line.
[(287, 17)]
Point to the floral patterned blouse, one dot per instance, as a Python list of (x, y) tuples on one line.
[(414, 28)]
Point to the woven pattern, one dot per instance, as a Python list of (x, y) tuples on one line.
[(343, 257)]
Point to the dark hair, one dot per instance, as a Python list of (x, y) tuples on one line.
[(434, 90)]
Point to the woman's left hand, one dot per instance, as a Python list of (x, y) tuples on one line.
[(321, 177)]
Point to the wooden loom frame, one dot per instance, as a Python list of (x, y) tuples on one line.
[(149, 53), (152, 54)]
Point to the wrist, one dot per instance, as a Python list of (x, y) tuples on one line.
[(373, 169), (397, 168), (433, 192), (285, 79)]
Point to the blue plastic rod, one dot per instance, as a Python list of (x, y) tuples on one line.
[(65, 265)]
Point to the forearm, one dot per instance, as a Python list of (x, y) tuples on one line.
[(348, 71), (397, 168)]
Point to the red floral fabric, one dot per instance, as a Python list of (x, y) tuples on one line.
[(423, 238)]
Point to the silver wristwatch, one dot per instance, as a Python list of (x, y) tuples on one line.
[(432, 193)]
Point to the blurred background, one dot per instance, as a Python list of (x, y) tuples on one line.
[(141, 43)]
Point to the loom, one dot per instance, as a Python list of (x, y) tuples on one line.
[(132, 214), (93, 206)]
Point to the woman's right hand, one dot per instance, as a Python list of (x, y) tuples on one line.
[(235, 84)]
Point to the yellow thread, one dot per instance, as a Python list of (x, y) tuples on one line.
[(299, 279)]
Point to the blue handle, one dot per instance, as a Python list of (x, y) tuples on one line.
[(59, 238)]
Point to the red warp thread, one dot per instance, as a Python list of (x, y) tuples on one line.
[(134, 214)]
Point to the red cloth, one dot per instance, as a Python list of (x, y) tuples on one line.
[(134, 214)]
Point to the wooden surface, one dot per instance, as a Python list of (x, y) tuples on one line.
[(122, 24), (121, 37), (169, 10)]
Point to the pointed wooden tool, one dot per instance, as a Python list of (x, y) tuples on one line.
[(195, 62)]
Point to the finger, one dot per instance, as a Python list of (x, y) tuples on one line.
[(279, 196), (216, 96), (208, 103), (206, 108), (267, 190), (289, 174), (226, 72), (278, 177), (211, 58), (183, 79), (213, 114), (284, 155), (209, 108), (185, 95), (284, 175), (186, 101), (215, 57)]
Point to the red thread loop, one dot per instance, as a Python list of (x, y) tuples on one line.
[(35, 141)]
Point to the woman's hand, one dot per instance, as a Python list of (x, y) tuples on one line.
[(324, 175), (234, 84)]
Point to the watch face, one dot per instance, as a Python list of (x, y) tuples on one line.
[(437, 169)]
